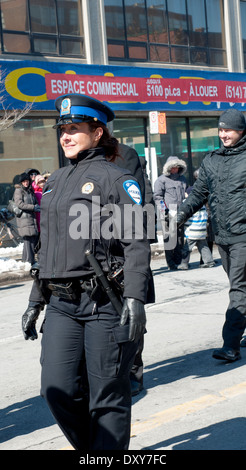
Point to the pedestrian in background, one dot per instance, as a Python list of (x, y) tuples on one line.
[(38, 185), (25, 200), (222, 182), (170, 188), (46, 174), (32, 173)]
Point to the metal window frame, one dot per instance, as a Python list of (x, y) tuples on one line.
[(126, 43), (38, 35)]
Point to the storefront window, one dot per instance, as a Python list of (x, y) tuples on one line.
[(203, 138), (173, 143), (187, 138), (30, 143), (131, 131)]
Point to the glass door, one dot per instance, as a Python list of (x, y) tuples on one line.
[(132, 132), (173, 143), (203, 138)]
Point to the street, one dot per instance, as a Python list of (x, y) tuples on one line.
[(190, 401)]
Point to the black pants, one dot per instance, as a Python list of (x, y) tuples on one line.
[(174, 256), (85, 380), (29, 243), (234, 263)]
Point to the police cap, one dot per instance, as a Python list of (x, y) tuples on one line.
[(81, 108)]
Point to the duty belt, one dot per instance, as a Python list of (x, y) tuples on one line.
[(71, 289)]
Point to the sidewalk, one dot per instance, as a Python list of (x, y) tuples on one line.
[(12, 269)]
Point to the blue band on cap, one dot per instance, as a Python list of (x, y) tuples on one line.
[(80, 110)]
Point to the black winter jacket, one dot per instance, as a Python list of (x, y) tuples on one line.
[(222, 182), (66, 217)]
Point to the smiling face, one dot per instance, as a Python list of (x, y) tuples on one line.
[(229, 137), (77, 137)]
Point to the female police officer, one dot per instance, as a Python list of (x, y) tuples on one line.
[(87, 346)]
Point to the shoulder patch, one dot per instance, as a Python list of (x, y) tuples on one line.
[(133, 190)]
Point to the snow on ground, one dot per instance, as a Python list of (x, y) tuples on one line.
[(7, 263)]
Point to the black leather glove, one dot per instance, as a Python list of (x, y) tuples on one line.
[(29, 319), (36, 208), (134, 311), (178, 219), (181, 218)]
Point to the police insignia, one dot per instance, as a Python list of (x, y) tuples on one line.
[(133, 190), (65, 106), (87, 188)]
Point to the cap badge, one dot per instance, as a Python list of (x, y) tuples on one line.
[(65, 106), (87, 188)]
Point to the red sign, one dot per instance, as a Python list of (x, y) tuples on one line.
[(138, 89)]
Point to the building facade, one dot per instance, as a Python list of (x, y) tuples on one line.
[(168, 68)]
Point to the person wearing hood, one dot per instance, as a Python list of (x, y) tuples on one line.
[(25, 199), (222, 182), (170, 189)]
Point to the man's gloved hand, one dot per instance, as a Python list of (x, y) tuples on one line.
[(29, 319), (134, 310), (180, 218), (36, 208), (175, 221)]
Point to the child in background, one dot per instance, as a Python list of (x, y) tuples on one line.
[(195, 234)]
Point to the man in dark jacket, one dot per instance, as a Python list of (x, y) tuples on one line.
[(222, 182)]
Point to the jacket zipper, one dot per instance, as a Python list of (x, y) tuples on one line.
[(57, 231)]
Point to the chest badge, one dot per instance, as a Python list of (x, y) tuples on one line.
[(87, 188)]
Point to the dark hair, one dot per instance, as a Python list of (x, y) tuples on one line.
[(109, 143)]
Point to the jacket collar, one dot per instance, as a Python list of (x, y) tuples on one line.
[(94, 153)]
